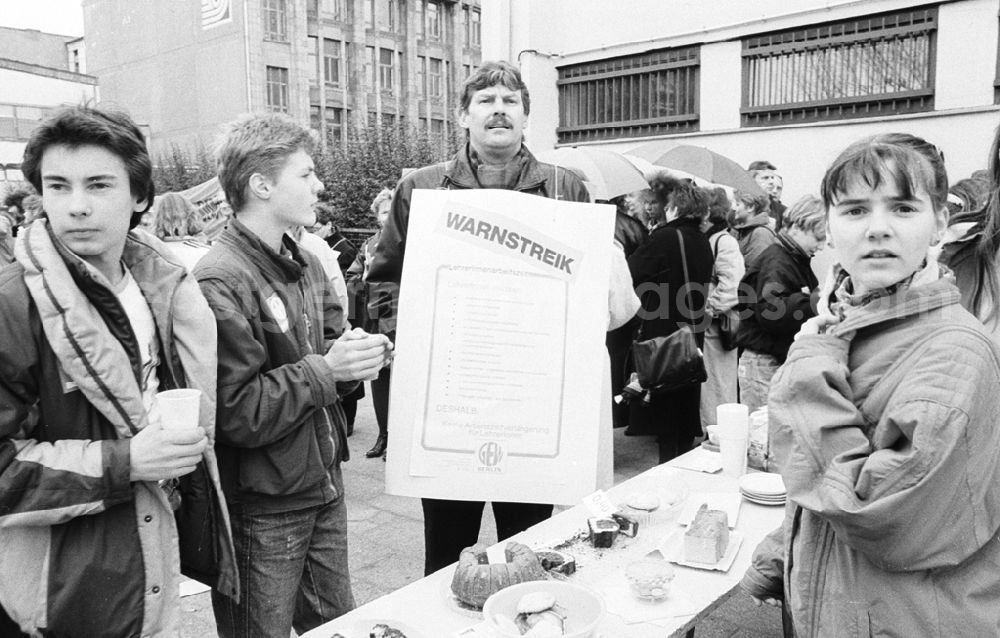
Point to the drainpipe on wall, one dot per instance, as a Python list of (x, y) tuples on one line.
[(246, 53)]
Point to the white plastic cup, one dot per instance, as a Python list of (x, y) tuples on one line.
[(727, 414), (179, 408), (733, 450)]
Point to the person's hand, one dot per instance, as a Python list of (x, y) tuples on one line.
[(158, 454), (774, 602), (358, 356)]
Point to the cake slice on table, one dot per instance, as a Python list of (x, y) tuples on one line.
[(707, 537)]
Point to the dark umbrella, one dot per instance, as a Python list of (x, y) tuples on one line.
[(700, 162)]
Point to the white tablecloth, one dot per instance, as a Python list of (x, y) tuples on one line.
[(427, 607)]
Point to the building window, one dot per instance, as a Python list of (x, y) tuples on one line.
[(315, 122), (651, 93), (432, 21), (369, 13), (275, 21), (277, 89), (371, 66), (313, 60), (466, 71), (331, 62), (334, 124), (421, 76), (875, 65), (475, 28), (337, 9), (434, 77), (312, 9), (386, 65), (388, 16)]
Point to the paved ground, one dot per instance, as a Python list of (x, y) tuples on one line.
[(389, 530)]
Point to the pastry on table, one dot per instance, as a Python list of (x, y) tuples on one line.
[(476, 579)]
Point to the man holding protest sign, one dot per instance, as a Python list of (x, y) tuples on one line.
[(494, 108)]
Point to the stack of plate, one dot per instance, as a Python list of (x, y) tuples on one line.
[(763, 488)]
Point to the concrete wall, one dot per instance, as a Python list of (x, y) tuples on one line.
[(34, 47), (156, 61), (962, 124)]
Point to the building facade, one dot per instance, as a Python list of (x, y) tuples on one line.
[(792, 83), (39, 72), (185, 68)]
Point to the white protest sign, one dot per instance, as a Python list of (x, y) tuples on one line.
[(499, 386)]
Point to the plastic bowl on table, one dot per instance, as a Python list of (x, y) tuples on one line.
[(584, 609), (649, 578)]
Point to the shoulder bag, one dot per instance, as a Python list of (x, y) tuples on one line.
[(672, 362)]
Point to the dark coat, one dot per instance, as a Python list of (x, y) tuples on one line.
[(658, 275), (629, 232), (783, 298), (281, 430)]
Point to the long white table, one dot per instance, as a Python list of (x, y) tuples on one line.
[(424, 605)]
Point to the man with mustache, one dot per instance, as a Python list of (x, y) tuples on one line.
[(494, 108)]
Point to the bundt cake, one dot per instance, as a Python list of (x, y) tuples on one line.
[(476, 579)]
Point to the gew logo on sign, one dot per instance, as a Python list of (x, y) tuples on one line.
[(491, 456)]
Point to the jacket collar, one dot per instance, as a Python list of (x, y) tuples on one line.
[(793, 247), (932, 289), (275, 266), (760, 219), (460, 171)]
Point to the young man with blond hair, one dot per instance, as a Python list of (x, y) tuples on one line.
[(283, 364)]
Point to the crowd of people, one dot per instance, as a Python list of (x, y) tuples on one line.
[(881, 377)]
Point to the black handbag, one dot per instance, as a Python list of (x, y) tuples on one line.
[(674, 361), (729, 325)]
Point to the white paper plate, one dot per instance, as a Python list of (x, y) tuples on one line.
[(764, 501), (762, 484), (672, 548), (725, 501)]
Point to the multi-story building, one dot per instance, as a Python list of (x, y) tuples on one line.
[(38, 73), (185, 68), (792, 83)]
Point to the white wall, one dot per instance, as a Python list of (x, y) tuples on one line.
[(38, 90), (572, 31)]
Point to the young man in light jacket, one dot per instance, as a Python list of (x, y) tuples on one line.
[(94, 320)]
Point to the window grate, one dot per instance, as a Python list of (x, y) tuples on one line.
[(877, 65), (652, 93)]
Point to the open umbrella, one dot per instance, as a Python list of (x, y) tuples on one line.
[(606, 173), (700, 162)]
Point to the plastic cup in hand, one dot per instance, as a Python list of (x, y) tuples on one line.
[(733, 440), (179, 408)]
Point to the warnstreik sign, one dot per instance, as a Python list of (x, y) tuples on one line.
[(499, 388)]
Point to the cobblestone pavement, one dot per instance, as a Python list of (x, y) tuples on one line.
[(386, 540)]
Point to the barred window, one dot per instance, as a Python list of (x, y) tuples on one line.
[(277, 89), (334, 124), (275, 21), (630, 96), (875, 65)]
